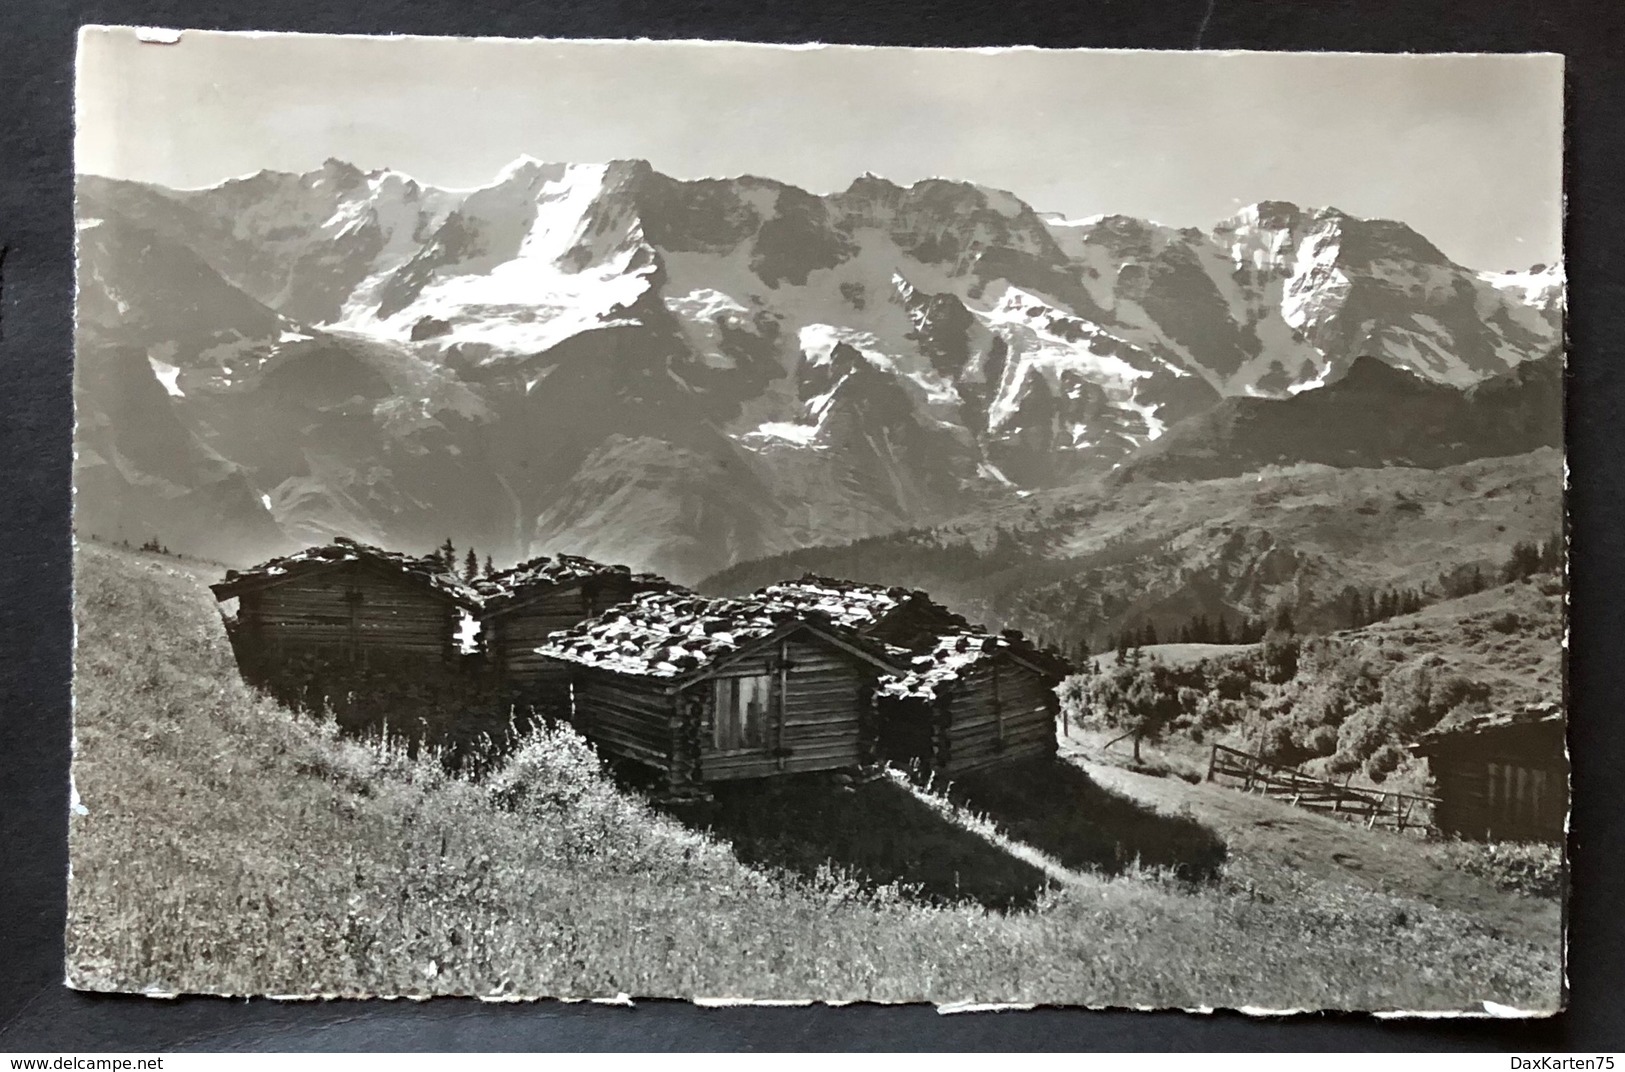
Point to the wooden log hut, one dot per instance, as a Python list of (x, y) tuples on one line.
[(521, 607), (704, 690), (1500, 777), (974, 700), (907, 618), (347, 602)]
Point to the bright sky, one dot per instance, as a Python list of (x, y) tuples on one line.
[(1466, 149)]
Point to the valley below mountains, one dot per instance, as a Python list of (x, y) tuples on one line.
[(692, 376)]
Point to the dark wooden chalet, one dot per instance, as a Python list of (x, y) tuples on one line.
[(522, 606), (974, 700), (347, 602), (705, 690), (1500, 777), (907, 618)]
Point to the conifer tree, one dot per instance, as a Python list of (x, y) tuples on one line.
[(471, 565), (448, 556), (1551, 554), (489, 568), (1524, 562)]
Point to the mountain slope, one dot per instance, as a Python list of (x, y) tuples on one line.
[(1076, 566), (1373, 416)]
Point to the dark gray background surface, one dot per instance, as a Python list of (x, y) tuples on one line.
[(36, 276)]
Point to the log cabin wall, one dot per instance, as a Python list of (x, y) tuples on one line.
[(349, 612), (512, 634), (1002, 711), (1510, 786), (630, 717)]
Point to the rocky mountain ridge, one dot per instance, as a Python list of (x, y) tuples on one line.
[(682, 374)]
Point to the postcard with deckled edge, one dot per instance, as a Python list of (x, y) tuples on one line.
[(608, 520)]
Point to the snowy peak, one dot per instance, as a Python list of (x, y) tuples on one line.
[(545, 252), (523, 170), (1268, 215), (1270, 301), (1540, 286), (1264, 236), (719, 368)]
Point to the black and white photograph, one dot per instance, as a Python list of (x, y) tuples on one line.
[(724, 522)]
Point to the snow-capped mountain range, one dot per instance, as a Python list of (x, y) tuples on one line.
[(603, 359)]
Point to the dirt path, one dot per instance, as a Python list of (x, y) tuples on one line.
[(1265, 834)]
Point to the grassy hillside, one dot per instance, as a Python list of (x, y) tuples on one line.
[(1343, 705), (222, 845), (1075, 566), (1509, 638)]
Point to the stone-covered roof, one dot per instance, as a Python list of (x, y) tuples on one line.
[(1547, 714), (425, 571), (509, 586), (674, 634), (849, 603), (956, 655)]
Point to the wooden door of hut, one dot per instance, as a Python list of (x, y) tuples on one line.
[(750, 709)]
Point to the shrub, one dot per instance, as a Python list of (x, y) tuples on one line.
[(1456, 691), (1407, 697), (1341, 762), (1232, 684), (1320, 741), (1279, 653), (1073, 693), (1384, 761), (1212, 713), (547, 776), (1142, 700), (1360, 735), (1532, 869), (1321, 704), (1350, 668), (1274, 741)]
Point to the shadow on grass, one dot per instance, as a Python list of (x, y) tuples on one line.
[(878, 832), (471, 718), (1057, 808)]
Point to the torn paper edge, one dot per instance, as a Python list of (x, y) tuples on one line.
[(172, 35)]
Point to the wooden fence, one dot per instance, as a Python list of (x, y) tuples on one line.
[(1374, 807)]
